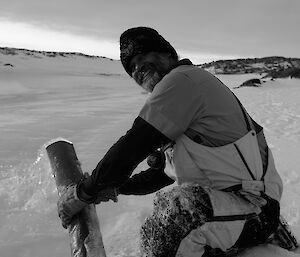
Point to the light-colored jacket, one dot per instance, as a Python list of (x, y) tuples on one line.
[(189, 97)]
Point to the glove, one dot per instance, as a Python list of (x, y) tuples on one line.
[(73, 199), (109, 193), (69, 204), (157, 160)]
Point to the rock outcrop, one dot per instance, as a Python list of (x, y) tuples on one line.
[(284, 73), (263, 65), (250, 83)]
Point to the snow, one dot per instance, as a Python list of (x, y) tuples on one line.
[(92, 102)]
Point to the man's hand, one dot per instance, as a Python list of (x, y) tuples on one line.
[(69, 204), (157, 160), (104, 195), (72, 200)]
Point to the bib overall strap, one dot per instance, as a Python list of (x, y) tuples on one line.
[(244, 113)]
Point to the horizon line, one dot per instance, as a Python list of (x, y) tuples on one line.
[(113, 59)]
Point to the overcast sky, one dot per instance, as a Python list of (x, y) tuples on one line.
[(202, 30)]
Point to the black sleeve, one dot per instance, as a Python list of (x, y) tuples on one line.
[(123, 157), (145, 182)]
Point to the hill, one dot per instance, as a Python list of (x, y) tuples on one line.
[(32, 61), (266, 65)]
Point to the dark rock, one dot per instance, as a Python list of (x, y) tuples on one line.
[(8, 64), (291, 72), (250, 83), (295, 74)]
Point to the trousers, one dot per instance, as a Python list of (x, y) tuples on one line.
[(193, 221)]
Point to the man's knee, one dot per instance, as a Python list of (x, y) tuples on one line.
[(176, 213)]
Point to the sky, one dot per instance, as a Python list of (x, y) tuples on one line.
[(202, 30)]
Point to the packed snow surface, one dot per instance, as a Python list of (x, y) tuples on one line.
[(92, 102)]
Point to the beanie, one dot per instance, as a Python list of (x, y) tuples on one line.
[(142, 40)]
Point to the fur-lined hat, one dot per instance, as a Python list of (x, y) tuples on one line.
[(141, 40)]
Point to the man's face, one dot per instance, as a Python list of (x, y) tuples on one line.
[(148, 69)]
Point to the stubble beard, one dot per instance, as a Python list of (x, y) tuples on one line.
[(150, 81)]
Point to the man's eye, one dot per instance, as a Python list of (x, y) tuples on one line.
[(142, 69), (132, 68)]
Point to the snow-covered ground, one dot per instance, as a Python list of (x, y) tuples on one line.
[(92, 102)]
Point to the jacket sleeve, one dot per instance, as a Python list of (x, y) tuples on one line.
[(145, 182), (123, 157)]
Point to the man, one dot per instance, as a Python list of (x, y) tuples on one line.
[(228, 190)]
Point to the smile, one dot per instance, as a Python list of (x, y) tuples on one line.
[(147, 75)]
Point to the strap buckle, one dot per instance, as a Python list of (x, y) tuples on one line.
[(253, 186)]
